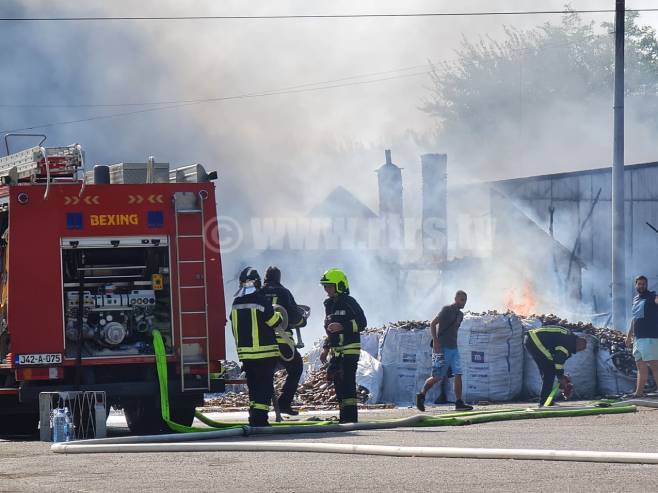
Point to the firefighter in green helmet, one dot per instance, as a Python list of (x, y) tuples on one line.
[(343, 323)]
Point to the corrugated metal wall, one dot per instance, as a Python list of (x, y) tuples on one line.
[(572, 197)]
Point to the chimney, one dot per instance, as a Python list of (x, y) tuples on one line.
[(389, 177), (434, 169)]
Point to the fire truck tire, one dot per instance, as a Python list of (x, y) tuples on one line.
[(143, 417), (182, 413), (19, 424)]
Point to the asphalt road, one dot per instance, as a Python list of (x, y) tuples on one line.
[(30, 466)]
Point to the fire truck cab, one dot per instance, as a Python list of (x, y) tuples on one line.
[(91, 264)]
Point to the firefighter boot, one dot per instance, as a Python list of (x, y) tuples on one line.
[(258, 417), (348, 411)]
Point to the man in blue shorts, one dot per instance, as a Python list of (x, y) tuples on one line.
[(445, 354), (644, 329)]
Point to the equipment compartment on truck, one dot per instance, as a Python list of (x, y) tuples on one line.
[(126, 294)]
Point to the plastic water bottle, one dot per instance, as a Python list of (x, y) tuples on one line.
[(68, 426), (59, 425)]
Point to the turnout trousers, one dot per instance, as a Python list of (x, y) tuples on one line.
[(294, 369), (546, 369), (260, 381), (343, 373)]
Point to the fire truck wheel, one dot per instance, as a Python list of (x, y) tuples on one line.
[(19, 424), (143, 417), (183, 413)]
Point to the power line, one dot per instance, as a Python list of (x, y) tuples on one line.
[(315, 16), (429, 63), (300, 88), (220, 98), (211, 100)]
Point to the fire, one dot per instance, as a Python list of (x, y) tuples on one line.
[(522, 302)]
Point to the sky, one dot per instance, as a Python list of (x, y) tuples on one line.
[(279, 154)]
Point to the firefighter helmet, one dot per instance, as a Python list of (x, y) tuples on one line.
[(273, 275), (250, 277), (338, 278)]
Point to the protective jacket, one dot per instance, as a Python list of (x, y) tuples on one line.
[(345, 310), (279, 295), (556, 344), (253, 321)]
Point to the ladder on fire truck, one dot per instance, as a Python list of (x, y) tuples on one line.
[(192, 291), (41, 164)]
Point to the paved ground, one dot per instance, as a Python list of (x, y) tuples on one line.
[(29, 466)]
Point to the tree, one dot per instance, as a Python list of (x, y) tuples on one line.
[(544, 96)]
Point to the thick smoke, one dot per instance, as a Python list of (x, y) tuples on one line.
[(279, 156)]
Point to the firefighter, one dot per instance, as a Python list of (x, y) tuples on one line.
[(253, 321), (290, 359), (343, 323), (550, 347)]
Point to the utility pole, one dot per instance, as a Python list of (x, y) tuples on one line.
[(618, 227)]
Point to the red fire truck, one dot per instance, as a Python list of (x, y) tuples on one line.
[(90, 266)]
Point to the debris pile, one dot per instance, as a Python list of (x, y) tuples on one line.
[(315, 393), (401, 324), (494, 313), (229, 400)]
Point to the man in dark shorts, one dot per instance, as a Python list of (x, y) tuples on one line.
[(445, 354)]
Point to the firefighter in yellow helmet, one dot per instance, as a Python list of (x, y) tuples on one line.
[(343, 323), (253, 321)]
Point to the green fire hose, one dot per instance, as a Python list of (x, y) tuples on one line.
[(551, 396), (447, 419), (161, 366)]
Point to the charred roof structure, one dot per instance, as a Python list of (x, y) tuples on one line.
[(575, 208)]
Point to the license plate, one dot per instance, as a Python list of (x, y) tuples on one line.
[(39, 359)]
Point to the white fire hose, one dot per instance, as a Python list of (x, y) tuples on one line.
[(638, 402), (384, 450), (180, 442)]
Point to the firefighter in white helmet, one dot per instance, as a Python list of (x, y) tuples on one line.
[(253, 321)]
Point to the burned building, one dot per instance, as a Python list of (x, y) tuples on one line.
[(577, 208), (533, 244), (391, 211), (574, 210), (434, 169)]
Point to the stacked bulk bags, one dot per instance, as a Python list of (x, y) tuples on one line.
[(491, 356), (612, 381), (491, 352), (406, 358)]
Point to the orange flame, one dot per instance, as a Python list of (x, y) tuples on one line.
[(523, 302)]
